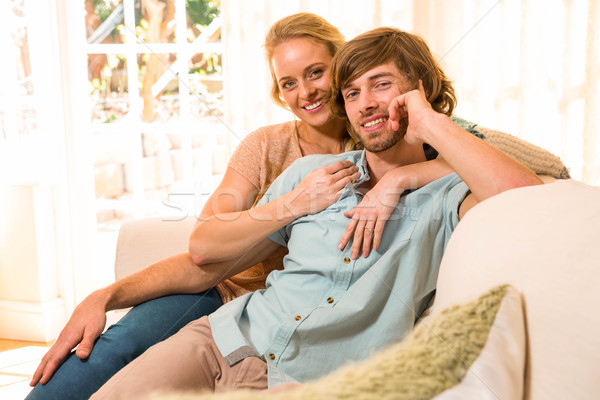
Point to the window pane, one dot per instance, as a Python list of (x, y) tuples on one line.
[(107, 78), (207, 64), (160, 87), (206, 84), (155, 22), (104, 21), (200, 14), (160, 155)]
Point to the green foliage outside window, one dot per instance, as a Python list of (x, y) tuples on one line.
[(202, 12)]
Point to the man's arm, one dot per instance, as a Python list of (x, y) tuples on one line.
[(486, 170)]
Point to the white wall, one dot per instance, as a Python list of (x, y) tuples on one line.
[(30, 305), (47, 219), (19, 257)]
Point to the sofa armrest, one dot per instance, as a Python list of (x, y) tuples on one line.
[(145, 241), (543, 240)]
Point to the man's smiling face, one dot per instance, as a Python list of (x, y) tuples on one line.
[(366, 100)]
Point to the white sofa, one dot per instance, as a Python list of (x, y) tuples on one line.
[(544, 241)]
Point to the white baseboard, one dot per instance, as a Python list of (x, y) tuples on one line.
[(36, 322)]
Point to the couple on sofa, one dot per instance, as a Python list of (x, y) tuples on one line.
[(347, 287)]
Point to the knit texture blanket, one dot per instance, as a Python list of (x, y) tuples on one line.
[(433, 358), (539, 160)]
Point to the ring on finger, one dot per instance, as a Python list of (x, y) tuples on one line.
[(368, 229)]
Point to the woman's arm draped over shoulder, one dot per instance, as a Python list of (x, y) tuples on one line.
[(369, 217)]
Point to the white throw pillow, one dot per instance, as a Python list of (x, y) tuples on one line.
[(498, 372)]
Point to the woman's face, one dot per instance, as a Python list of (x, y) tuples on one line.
[(301, 68)]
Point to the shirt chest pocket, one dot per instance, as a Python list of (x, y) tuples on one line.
[(401, 225)]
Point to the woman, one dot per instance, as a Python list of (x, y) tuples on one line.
[(299, 50)]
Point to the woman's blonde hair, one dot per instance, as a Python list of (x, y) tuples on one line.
[(301, 25), (304, 25)]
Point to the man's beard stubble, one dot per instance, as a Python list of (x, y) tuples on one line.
[(386, 139)]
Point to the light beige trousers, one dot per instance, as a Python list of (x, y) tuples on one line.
[(187, 361)]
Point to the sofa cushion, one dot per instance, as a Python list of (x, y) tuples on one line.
[(481, 343), (145, 241)]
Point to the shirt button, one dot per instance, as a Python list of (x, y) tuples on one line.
[(347, 260), (271, 356), (330, 300), (297, 318)]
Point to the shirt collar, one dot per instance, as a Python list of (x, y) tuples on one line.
[(363, 168)]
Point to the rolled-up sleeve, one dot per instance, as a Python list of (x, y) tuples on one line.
[(455, 195)]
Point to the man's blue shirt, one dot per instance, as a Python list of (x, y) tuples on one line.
[(324, 309)]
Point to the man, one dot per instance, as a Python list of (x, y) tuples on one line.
[(327, 307)]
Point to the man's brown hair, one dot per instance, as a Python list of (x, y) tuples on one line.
[(410, 54)]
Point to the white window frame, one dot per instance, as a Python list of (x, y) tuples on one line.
[(131, 125)]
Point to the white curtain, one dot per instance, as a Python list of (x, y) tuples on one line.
[(527, 67)]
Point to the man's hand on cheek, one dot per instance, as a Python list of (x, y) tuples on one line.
[(415, 109)]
